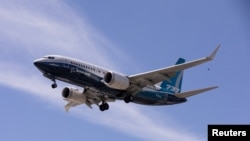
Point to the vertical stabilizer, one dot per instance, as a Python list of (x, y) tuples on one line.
[(173, 85)]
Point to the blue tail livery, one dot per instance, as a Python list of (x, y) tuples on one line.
[(173, 85)]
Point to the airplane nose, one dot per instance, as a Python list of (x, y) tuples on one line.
[(35, 63), (39, 63)]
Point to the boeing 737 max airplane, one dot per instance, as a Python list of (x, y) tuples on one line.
[(100, 86)]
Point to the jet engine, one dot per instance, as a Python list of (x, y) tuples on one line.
[(116, 81), (74, 95)]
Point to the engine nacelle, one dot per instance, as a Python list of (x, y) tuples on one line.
[(74, 95), (116, 81)]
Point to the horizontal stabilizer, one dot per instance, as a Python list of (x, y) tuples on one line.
[(194, 92)]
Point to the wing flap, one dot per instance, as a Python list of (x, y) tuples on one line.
[(92, 97), (194, 92)]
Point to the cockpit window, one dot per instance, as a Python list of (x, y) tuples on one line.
[(51, 57)]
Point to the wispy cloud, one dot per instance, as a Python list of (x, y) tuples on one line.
[(32, 29), (52, 30), (127, 118)]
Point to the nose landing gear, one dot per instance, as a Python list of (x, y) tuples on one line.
[(51, 77), (54, 85)]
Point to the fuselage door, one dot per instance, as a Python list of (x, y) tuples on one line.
[(65, 63)]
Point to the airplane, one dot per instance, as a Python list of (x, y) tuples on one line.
[(100, 85)]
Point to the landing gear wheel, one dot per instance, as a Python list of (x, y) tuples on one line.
[(104, 106), (129, 98), (54, 85)]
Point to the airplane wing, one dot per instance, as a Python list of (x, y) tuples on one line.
[(194, 92), (141, 80)]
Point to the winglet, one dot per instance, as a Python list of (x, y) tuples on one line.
[(211, 57)]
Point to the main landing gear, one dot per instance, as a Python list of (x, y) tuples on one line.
[(104, 106), (129, 98)]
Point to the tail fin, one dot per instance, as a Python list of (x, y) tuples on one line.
[(173, 85)]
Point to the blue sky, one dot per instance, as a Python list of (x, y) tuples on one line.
[(129, 37)]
